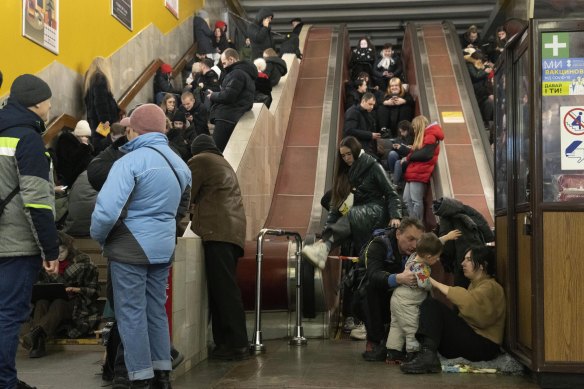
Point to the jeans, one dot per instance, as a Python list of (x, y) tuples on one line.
[(17, 275), (139, 298), (394, 165), (414, 199)]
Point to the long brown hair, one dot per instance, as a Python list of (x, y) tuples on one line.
[(419, 124), (341, 184)]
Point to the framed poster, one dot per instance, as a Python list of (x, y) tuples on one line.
[(172, 6), (40, 23), (122, 10)]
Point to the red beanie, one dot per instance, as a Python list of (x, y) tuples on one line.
[(220, 24), (165, 68)]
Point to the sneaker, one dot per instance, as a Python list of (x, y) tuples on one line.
[(349, 325), (425, 362), (176, 357), (316, 253), (359, 333)]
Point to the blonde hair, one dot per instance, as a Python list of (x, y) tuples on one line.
[(260, 63), (419, 124), (402, 91), (196, 68), (269, 52), (98, 66)]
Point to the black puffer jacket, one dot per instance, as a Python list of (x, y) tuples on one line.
[(375, 201), (361, 124), (237, 93), (100, 103), (475, 231), (260, 36), (275, 69)]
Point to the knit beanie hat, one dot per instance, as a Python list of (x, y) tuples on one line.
[(29, 90), (146, 118), (203, 143), (82, 128), (220, 24), (166, 68), (179, 116)]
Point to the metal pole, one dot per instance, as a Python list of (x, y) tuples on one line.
[(298, 339), (257, 345)]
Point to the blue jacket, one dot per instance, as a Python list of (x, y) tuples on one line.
[(27, 226), (134, 217)]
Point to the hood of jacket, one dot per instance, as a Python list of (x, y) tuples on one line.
[(434, 130), (447, 206), (279, 63), (147, 139), (15, 114), (297, 29), (262, 14), (246, 66)]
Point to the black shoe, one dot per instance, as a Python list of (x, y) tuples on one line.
[(394, 357), (29, 339), (425, 362), (176, 357), (121, 383), (37, 337), (140, 384), (24, 385), (378, 353), (225, 353), (161, 380)]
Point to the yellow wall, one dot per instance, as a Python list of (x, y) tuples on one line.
[(86, 30)]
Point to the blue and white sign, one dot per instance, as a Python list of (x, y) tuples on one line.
[(572, 137)]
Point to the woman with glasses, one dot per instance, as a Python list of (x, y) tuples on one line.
[(474, 329)]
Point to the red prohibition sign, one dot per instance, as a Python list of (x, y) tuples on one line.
[(574, 118)]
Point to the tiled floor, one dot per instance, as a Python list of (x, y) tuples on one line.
[(320, 364)]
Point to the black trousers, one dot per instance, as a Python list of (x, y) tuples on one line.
[(222, 133), (442, 330), (225, 303), (50, 314), (377, 315)]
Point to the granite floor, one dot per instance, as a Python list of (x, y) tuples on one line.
[(320, 364)]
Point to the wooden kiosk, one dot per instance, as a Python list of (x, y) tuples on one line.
[(539, 200)]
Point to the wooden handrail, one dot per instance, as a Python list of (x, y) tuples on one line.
[(182, 62), (137, 86), (57, 125)]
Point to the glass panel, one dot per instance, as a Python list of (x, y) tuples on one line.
[(521, 120), (501, 140), (558, 9), (561, 116)]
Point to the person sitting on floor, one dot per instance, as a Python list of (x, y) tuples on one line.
[(79, 314)]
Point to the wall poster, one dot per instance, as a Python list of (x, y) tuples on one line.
[(122, 10), (172, 6), (40, 23)]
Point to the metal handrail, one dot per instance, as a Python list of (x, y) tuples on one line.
[(298, 339)]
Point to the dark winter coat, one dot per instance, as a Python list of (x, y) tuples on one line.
[(361, 124), (375, 201), (475, 232), (237, 93), (389, 116), (420, 163), (80, 207), (292, 44), (479, 78), (100, 166), (203, 36), (100, 103), (395, 68), (177, 142), (263, 93), (275, 69), (71, 157), (198, 125), (163, 83), (260, 36)]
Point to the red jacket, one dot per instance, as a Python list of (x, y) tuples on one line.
[(420, 169)]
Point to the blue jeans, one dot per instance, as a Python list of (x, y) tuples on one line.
[(17, 275), (414, 199), (139, 298)]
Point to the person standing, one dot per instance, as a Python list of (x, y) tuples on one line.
[(260, 32), (203, 34), (235, 98), (29, 235), (218, 217), (134, 222)]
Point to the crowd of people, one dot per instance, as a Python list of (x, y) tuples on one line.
[(129, 180)]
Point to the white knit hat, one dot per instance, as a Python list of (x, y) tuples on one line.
[(82, 128)]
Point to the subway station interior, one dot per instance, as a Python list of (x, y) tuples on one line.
[(521, 170)]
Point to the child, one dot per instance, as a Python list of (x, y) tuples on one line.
[(406, 300)]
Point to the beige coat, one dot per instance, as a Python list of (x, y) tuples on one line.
[(216, 209)]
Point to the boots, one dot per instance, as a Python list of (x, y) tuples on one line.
[(425, 362), (140, 384), (34, 341), (161, 380), (23, 385)]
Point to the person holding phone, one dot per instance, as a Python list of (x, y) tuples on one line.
[(400, 148), (395, 105)]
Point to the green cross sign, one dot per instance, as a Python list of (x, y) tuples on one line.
[(555, 45)]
